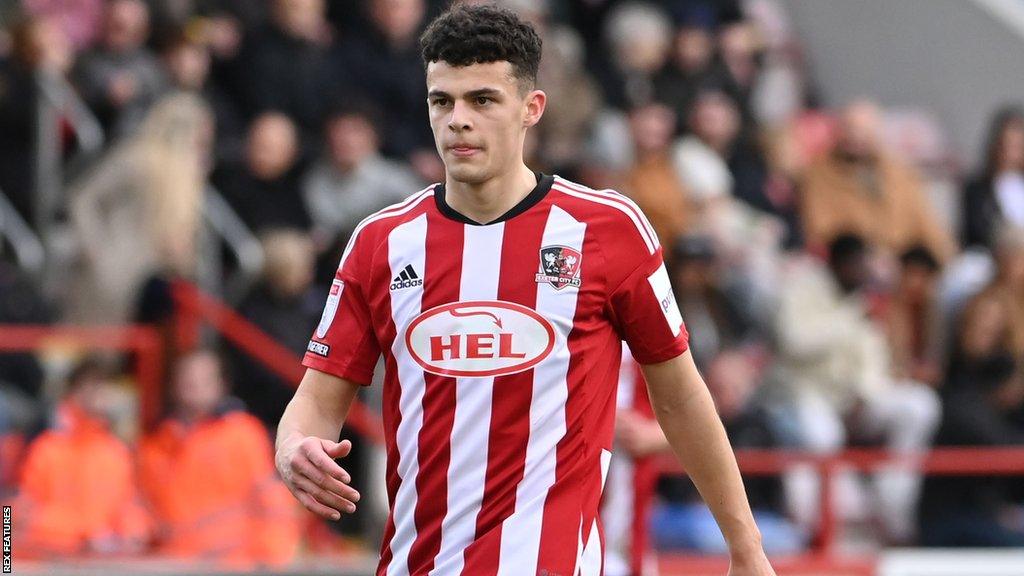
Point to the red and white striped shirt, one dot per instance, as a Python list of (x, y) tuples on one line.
[(502, 345)]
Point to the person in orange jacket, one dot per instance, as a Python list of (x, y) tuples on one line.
[(78, 494), (208, 474)]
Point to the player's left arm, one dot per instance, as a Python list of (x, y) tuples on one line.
[(687, 415)]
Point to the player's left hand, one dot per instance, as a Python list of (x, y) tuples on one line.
[(752, 564)]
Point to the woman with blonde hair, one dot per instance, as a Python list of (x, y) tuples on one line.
[(138, 212)]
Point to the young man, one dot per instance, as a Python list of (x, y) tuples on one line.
[(499, 299)]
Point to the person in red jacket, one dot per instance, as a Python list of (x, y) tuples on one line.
[(208, 473), (78, 494)]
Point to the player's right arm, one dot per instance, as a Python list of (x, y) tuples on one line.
[(340, 359), (306, 446)]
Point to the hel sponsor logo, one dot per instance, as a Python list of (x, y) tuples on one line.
[(479, 338), (407, 278), (318, 348), (330, 309), (559, 266)]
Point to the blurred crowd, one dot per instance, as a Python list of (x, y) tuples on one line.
[(846, 279)]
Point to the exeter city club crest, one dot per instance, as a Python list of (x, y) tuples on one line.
[(560, 266)]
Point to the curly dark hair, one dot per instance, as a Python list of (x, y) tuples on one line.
[(481, 34)]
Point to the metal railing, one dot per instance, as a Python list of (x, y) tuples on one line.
[(224, 223), (27, 247), (58, 102)]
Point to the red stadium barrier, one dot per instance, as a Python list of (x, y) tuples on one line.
[(144, 341), (822, 558), (195, 306), (804, 565)]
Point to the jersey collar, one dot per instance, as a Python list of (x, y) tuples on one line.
[(536, 195)]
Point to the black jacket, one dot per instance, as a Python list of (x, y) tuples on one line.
[(970, 418), (981, 214)]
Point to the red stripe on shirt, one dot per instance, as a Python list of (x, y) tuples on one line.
[(444, 245)]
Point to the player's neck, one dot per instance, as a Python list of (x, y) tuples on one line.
[(487, 201)]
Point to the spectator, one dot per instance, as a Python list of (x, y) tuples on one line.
[(1007, 288), (120, 78), (833, 367), (983, 392), (78, 492), (767, 185), (717, 310), (137, 213), (738, 51), (639, 37), (781, 91), (917, 138), (995, 195), (39, 48), (914, 321), (352, 180), (700, 158), (690, 67), (779, 192), (265, 189), (243, 14), (860, 189), (208, 473), (287, 67), (749, 239), (188, 63), (389, 71), (574, 99), (80, 21), (683, 521), (219, 22), (283, 306), (652, 181), (220, 26)]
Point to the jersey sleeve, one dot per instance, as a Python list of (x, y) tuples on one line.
[(644, 311), (344, 344)]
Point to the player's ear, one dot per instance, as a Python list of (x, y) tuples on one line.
[(536, 100)]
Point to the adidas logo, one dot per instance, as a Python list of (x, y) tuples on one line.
[(407, 279)]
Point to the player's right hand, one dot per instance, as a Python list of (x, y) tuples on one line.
[(308, 468)]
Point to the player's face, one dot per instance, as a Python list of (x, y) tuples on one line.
[(479, 114)]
